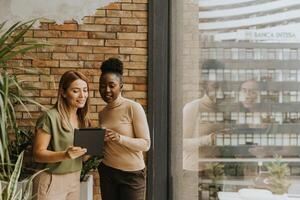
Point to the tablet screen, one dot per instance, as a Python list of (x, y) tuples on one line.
[(90, 138)]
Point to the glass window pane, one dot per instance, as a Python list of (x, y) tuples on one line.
[(235, 82)]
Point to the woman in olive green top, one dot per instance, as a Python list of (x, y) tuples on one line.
[(54, 140)]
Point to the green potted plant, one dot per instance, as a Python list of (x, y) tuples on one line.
[(10, 191), (12, 44), (215, 172), (86, 179), (278, 176)]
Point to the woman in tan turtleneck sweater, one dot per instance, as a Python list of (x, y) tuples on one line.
[(122, 171)]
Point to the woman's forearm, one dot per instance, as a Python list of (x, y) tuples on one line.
[(135, 144), (46, 156)]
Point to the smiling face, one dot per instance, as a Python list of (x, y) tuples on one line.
[(76, 94), (110, 87)]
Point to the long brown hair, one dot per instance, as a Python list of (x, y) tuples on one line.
[(65, 81)]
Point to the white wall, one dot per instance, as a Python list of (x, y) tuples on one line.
[(57, 10)]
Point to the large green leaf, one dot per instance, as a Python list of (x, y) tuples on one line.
[(13, 183)]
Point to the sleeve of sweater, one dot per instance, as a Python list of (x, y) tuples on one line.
[(141, 141)]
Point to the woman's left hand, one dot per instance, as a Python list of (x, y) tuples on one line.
[(111, 135)]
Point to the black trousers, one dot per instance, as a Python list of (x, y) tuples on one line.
[(116, 184)]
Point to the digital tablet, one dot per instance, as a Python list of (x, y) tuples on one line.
[(90, 138)]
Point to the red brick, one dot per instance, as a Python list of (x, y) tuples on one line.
[(140, 87), (113, 6), (125, 72), (95, 101), (39, 40), (40, 56), (48, 93), (48, 78), (90, 72), (139, 51), (138, 58), (132, 6), (64, 56), (23, 77), (105, 50), (72, 64), (140, 14), (54, 85), (19, 63), (141, 43), (91, 42), (121, 28), (42, 100), (142, 29), (74, 34), (59, 71), (127, 87), (93, 65), (100, 13), (134, 21), (91, 27), (135, 65), (31, 93), (45, 63), (120, 43), (138, 72), (85, 56), (118, 13), (101, 35), (38, 33), (63, 41), (36, 85), (63, 27), (56, 48), (107, 21), (80, 49), (131, 79), (133, 36), (94, 86)]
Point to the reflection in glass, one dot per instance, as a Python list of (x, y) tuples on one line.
[(249, 112)]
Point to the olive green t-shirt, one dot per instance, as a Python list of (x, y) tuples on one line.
[(50, 121)]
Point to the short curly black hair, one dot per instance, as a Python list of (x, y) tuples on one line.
[(112, 65)]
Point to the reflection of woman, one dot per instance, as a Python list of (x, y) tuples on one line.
[(198, 132), (122, 171), (248, 95), (54, 140)]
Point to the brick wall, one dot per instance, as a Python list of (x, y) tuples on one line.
[(117, 30)]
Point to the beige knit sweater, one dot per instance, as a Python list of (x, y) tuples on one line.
[(127, 118)]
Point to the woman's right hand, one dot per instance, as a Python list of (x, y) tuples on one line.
[(75, 152)]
